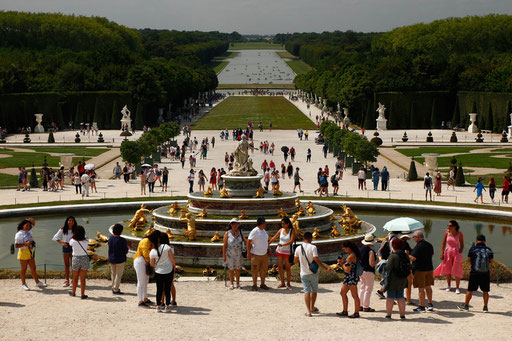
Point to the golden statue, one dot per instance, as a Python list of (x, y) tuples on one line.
[(169, 234), (297, 203), (224, 192), (332, 217), (301, 212), (149, 231), (173, 210), (295, 224), (215, 238), (203, 214), (179, 269), (259, 193), (334, 232), (243, 215), (282, 213), (208, 192), (349, 221), (277, 192), (209, 271), (316, 233), (101, 238), (188, 204), (139, 218), (190, 231), (310, 209), (183, 214)]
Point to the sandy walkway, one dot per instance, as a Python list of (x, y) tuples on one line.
[(209, 311)]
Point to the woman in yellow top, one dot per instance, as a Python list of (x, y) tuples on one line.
[(141, 263)]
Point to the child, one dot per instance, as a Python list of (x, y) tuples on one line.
[(479, 188), (480, 257)]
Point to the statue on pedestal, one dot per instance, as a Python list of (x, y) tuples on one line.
[(243, 164), (126, 121), (381, 120), (39, 128)]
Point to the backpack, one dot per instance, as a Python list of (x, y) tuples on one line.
[(359, 268), (333, 178), (481, 263), (404, 265)]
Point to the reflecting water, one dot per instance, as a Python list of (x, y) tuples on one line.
[(499, 236)]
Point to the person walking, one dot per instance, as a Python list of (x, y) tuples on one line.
[(233, 243), (86, 182), (451, 256), (80, 263), (63, 236), (165, 179), (201, 180), (325, 149), (350, 279), (307, 257), (437, 186), (505, 190), (384, 177), (162, 258), (257, 252), (190, 179), (24, 242), (117, 250), (361, 176), (368, 261), (126, 173), (451, 178), (77, 182), (284, 250), (308, 155), (117, 171), (335, 183), (427, 185), (213, 179), (297, 179), (151, 178), (423, 270), (289, 170), (492, 188), (479, 188), (396, 282), (375, 178), (481, 257), (143, 180), (141, 266)]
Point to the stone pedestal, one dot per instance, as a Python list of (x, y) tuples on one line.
[(242, 186), (510, 126), (431, 162), (382, 123), (472, 127), (66, 160), (39, 128)]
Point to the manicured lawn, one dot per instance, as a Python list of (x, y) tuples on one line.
[(217, 65), (228, 54), (9, 181), (235, 112), (78, 151), (255, 46), (27, 159), (299, 66), (256, 86), (286, 54), (438, 150)]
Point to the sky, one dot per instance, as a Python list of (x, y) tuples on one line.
[(266, 16)]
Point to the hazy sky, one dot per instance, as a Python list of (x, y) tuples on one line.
[(266, 16)]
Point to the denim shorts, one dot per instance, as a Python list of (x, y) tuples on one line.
[(310, 283), (395, 294), (67, 249)]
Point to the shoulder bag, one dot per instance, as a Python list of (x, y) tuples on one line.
[(312, 266)]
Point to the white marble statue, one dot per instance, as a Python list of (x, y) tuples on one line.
[(126, 121), (125, 112), (381, 110), (381, 120), (39, 128), (243, 163)]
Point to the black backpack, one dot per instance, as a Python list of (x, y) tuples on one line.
[(404, 265), (482, 260)]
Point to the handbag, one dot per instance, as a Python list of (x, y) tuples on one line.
[(312, 266)]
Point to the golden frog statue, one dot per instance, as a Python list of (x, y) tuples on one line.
[(297, 203), (316, 233), (277, 192), (259, 193), (149, 231), (139, 218), (349, 221), (243, 215), (332, 217), (173, 210), (188, 204), (209, 271), (334, 231), (190, 231), (203, 214), (282, 213), (224, 192), (310, 209), (215, 238), (301, 212), (169, 234), (208, 192), (183, 213), (296, 227), (101, 238)]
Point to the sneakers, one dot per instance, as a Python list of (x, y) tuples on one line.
[(25, 287), (168, 309), (457, 291), (66, 284), (380, 294), (420, 309), (464, 307), (448, 289), (159, 309), (430, 307), (41, 285), (485, 310)]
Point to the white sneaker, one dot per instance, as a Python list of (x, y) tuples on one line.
[(457, 291), (25, 287), (158, 309), (41, 285), (168, 309), (448, 289)]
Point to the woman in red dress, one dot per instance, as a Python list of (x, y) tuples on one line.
[(213, 179)]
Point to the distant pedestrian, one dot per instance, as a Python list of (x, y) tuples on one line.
[(481, 257), (375, 178), (427, 185), (190, 179), (451, 178), (492, 188), (117, 250), (361, 176), (165, 179), (479, 188), (437, 186), (505, 190), (325, 149), (308, 155), (117, 171), (297, 179), (86, 183), (384, 177)]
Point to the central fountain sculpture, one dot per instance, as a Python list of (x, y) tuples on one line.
[(194, 224)]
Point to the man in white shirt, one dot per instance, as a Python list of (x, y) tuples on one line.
[(86, 182), (257, 252), (306, 254)]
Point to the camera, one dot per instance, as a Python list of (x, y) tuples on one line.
[(33, 244)]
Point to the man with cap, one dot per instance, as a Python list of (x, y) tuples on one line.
[(257, 252), (368, 261), (407, 249), (480, 256), (421, 257)]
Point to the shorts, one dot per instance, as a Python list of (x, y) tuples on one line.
[(395, 294), (80, 263), (165, 180), (25, 254), (504, 192), (423, 279), (279, 254), (428, 189), (67, 249), (259, 262), (479, 279), (309, 283), (335, 184), (297, 183)]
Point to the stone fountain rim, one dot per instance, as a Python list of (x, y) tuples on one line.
[(286, 196), (243, 178)]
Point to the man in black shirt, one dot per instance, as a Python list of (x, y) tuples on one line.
[(421, 257)]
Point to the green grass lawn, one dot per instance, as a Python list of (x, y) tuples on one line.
[(9, 181), (299, 66), (473, 160), (235, 112), (27, 159), (439, 150), (217, 65), (286, 54), (255, 46), (228, 54), (79, 151)]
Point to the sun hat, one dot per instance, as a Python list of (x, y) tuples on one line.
[(369, 239), (233, 220)]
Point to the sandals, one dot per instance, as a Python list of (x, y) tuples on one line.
[(288, 286), (231, 287), (343, 313), (368, 310), (308, 315), (280, 286), (354, 316)]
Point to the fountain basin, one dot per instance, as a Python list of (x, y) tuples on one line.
[(242, 186)]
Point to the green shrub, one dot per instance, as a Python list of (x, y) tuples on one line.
[(323, 276)]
